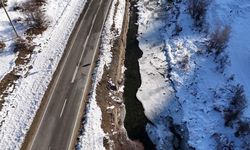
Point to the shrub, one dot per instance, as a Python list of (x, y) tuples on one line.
[(36, 17), (237, 104), (222, 142), (246, 142), (2, 45), (243, 128), (184, 63), (197, 10), (177, 30), (40, 24), (219, 38), (221, 60), (239, 100), (21, 45), (230, 115), (4, 2)]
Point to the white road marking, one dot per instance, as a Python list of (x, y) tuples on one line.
[(74, 76), (60, 72), (63, 107)]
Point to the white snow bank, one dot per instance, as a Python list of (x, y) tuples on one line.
[(20, 106), (181, 80), (92, 137)]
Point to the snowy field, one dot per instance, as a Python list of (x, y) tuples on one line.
[(7, 35), (93, 135), (20, 106), (184, 80)]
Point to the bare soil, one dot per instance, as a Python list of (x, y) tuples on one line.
[(113, 119)]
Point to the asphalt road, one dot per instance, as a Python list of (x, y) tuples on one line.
[(59, 124)]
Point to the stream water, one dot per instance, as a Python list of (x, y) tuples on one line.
[(135, 120)]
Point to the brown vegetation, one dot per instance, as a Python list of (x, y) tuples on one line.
[(219, 38), (2, 45), (222, 142), (36, 20), (24, 48), (197, 10), (184, 63), (243, 128), (37, 23), (237, 104), (4, 2)]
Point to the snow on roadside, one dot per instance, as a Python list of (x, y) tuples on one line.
[(93, 135), (180, 79), (21, 105), (7, 35)]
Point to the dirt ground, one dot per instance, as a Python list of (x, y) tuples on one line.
[(113, 119)]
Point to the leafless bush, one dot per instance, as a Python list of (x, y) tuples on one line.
[(221, 61), (239, 99), (245, 142), (4, 2), (177, 30), (37, 20), (2, 45), (184, 62), (21, 45), (237, 104), (25, 48), (219, 38), (230, 116), (223, 143), (197, 10), (31, 6), (243, 128), (41, 23)]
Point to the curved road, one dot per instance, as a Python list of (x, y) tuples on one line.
[(60, 121)]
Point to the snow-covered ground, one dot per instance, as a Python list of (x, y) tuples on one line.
[(7, 35), (237, 15), (21, 105), (182, 80), (93, 135)]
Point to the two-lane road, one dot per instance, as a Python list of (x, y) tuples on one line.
[(59, 124)]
